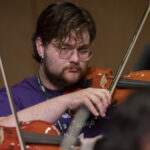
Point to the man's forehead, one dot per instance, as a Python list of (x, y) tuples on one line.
[(75, 39)]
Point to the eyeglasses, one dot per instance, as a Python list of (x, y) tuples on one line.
[(65, 52)]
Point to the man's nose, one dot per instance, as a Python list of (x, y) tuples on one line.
[(74, 57)]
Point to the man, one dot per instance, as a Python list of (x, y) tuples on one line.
[(62, 47)]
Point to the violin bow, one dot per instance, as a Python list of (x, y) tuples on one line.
[(128, 52), (12, 106), (83, 113)]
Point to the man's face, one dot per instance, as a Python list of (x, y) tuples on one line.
[(64, 72)]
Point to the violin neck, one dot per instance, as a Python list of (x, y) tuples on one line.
[(39, 138), (132, 84)]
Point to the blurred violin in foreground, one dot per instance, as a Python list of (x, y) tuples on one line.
[(37, 135)]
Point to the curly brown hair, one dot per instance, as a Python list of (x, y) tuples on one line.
[(58, 20)]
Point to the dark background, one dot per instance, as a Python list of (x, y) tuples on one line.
[(116, 22)]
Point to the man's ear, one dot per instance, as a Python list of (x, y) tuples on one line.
[(40, 47)]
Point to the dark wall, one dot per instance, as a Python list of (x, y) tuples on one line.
[(116, 22)]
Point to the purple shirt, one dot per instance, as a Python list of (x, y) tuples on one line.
[(27, 93)]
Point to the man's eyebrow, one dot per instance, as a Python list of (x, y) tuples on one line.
[(66, 44), (84, 46), (80, 47)]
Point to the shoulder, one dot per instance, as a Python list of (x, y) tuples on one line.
[(27, 89), (26, 84), (29, 83), (25, 93)]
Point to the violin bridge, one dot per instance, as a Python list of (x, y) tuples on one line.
[(1, 135), (103, 81)]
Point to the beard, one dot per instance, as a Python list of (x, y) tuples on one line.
[(60, 80)]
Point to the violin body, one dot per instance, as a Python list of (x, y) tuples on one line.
[(102, 78), (121, 94), (9, 139)]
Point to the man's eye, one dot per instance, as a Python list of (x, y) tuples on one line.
[(64, 48), (83, 50)]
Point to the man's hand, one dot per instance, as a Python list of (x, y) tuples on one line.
[(96, 100)]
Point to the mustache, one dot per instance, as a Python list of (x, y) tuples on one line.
[(73, 66)]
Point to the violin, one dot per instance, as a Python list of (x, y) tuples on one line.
[(102, 78), (9, 139), (37, 135)]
